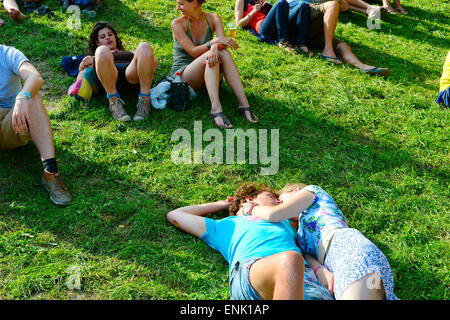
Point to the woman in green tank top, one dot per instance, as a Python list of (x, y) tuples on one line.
[(202, 59)]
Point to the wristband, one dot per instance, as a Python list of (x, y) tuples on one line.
[(317, 269), (251, 208), (26, 94)]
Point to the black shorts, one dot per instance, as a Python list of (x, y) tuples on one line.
[(122, 85)]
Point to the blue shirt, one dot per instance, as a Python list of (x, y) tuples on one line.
[(238, 238), (316, 221), (10, 61)]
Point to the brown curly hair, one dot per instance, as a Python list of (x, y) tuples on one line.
[(93, 37), (247, 190)]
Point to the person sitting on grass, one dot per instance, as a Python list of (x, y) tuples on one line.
[(13, 9), (120, 71), (278, 25), (23, 117), (352, 267), (322, 24), (202, 59), (444, 88), (264, 260)]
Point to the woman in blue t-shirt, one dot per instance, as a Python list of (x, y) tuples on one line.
[(265, 262), (345, 261)]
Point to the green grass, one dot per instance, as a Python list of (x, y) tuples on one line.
[(379, 146)]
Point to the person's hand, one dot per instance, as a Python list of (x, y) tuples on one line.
[(20, 116), (326, 278), (213, 56), (257, 7), (88, 61), (225, 42)]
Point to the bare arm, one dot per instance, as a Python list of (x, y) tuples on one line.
[(179, 33), (191, 218), (299, 202), (242, 21), (32, 83), (325, 277)]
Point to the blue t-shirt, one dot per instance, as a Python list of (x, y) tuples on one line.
[(238, 238), (10, 61)]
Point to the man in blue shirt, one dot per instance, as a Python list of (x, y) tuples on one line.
[(23, 117), (265, 262)]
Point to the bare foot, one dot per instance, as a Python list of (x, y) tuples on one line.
[(220, 120), (330, 56), (17, 15), (390, 10), (248, 114), (402, 10)]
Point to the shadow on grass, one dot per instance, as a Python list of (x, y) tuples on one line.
[(117, 210)]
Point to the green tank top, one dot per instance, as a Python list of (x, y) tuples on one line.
[(181, 59)]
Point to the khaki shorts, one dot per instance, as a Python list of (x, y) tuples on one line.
[(8, 138), (315, 38)]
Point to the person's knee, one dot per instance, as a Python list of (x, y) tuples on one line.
[(102, 53), (343, 6), (145, 49), (224, 54), (331, 5)]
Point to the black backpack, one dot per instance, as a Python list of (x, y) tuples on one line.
[(179, 99)]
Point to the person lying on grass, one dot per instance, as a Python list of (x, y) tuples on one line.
[(322, 24), (264, 260), (120, 71), (23, 118), (279, 24), (350, 265), (202, 59)]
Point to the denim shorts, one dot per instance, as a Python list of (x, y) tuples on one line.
[(240, 286)]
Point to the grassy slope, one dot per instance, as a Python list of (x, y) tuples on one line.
[(379, 146)]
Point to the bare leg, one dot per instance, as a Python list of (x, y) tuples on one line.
[(347, 55), (369, 287), (399, 7), (141, 68), (40, 130), (13, 10), (330, 20), (388, 7), (106, 71), (198, 73), (233, 79), (279, 276), (361, 6)]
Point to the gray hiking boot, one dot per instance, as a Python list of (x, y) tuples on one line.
[(117, 110), (143, 108), (53, 183)]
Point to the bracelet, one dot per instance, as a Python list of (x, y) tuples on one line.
[(316, 269), (26, 94), (251, 208), (208, 44)]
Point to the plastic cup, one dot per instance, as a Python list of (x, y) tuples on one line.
[(232, 30)]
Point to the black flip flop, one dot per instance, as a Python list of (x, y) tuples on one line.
[(222, 116), (327, 59), (252, 115), (377, 71)]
